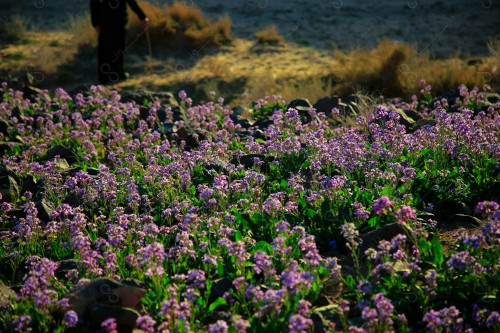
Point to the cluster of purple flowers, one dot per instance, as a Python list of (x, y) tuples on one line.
[(151, 213)]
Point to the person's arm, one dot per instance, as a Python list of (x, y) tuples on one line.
[(135, 7)]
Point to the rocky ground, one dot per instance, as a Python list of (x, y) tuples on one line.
[(440, 28)]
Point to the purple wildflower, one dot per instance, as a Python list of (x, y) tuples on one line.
[(382, 205), (146, 323), (219, 327), (70, 318), (299, 324)]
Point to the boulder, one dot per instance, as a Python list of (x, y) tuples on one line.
[(62, 152), (103, 298), (263, 122), (326, 104), (404, 119), (142, 96), (385, 232), (219, 288), (456, 221), (300, 104), (248, 161), (7, 296), (9, 188), (348, 109), (4, 127), (126, 318), (45, 209), (421, 123), (65, 266)]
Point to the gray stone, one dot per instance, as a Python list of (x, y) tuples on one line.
[(404, 119), (385, 232), (326, 104), (219, 288), (105, 291), (300, 104), (7, 296), (62, 152), (456, 221), (9, 189), (126, 318)]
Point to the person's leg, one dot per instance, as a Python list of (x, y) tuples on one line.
[(120, 44), (107, 55)]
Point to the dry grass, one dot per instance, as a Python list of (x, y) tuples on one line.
[(395, 69), (181, 26), (84, 36), (13, 30), (269, 36)]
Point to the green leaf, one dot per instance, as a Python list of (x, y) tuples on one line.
[(437, 252), (262, 246), (192, 190), (238, 236), (373, 222), (218, 302), (311, 212)]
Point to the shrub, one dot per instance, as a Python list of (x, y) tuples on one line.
[(182, 26), (269, 36), (13, 30), (394, 69)]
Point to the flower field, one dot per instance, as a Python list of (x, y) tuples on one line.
[(288, 222)]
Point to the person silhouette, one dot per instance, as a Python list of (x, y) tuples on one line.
[(109, 19)]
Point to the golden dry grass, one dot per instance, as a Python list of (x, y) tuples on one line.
[(182, 26), (269, 36), (13, 30), (395, 69)]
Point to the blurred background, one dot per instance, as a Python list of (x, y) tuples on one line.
[(261, 47)]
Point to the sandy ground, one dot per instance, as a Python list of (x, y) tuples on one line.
[(440, 28)]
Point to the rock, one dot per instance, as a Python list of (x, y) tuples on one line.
[(450, 96), (31, 93), (64, 266), (404, 119), (9, 189), (125, 317), (385, 232), (302, 105), (30, 184), (219, 288), (7, 296), (239, 111), (62, 152), (84, 89), (457, 221), (348, 109), (326, 104), (421, 123), (62, 163), (413, 114), (492, 98), (45, 210), (445, 208), (244, 123), (192, 139), (142, 96), (263, 122), (4, 127), (105, 291), (16, 113), (133, 283), (248, 161)]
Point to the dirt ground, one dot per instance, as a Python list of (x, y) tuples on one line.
[(440, 28)]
